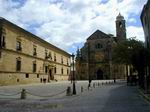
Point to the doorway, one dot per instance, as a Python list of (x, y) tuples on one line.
[(51, 77), (100, 74)]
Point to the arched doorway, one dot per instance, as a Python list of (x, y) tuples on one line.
[(100, 74)]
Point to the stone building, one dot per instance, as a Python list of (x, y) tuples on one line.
[(26, 58), (145, 18), (94, 59)]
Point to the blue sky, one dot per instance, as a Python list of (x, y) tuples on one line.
[(68, 23)]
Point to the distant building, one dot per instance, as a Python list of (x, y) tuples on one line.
[(26, 58), (94, 59), (145, 18)]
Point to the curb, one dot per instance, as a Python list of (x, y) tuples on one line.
[(144, 96)]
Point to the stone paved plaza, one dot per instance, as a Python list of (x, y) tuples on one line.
[(103, 98)]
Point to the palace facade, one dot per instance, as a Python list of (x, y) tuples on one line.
[(26, 58)]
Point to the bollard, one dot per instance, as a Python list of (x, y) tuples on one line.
[(23, 94), (81, 89), (93, 85), (98, 84), (89, 85), (68, 91)]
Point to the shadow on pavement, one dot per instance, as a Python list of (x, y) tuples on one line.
[(125, 99)]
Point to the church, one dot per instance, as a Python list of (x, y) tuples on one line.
[(94, 59)]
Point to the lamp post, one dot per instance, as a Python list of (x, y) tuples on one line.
[(73, 77), (89, 76)]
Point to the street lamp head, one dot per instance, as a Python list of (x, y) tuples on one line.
[(72, 55)]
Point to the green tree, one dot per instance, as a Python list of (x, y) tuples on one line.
[(123, 51), (132, 52)]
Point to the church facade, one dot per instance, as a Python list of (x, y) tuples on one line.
[(94, 59), (26, 58)]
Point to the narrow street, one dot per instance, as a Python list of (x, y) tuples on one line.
[(104, 98)]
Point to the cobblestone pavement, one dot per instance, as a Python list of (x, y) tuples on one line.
[(104, 98)]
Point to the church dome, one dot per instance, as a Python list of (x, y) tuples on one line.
[(120, 17)]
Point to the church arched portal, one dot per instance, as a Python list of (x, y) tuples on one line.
[(100, 74)]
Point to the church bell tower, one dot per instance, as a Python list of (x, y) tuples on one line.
[(120, 28)]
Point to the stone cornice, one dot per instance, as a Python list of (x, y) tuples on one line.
[(34, 57), (6, 22)]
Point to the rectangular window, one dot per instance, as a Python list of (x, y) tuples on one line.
[(18, 46), (49, 56), (62, 60), (34, 67), (34, 51), (38, 76), (62, 71), (3, 41), (98, 46), (46, 69), (55, 70), (27, 75), (18, 65), (55, 57), (67, 71), (67, 62), (0, 39), (46, 55)]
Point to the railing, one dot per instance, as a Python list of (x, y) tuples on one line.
[(24, 93)]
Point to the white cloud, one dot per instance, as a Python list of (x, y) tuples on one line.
[(137, 32), (132, 20), (66, 23)]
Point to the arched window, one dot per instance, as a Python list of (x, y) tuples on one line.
[(120, 24)]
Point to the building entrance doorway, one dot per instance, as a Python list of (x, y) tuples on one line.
[(100, 74), (51, 77)]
